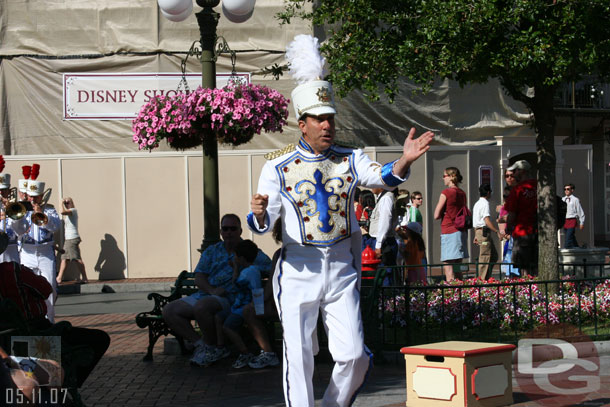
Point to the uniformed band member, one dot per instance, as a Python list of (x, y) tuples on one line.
[(12, 251), (37, 252), (311, 187)]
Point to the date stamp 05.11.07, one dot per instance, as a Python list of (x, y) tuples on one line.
[(40, 396), (35, 372)]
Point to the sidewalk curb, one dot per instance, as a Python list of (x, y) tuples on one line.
[(95, 288)]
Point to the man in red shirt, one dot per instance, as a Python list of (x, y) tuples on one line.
[(522, 207)]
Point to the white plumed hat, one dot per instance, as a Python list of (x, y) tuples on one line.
[(313, 95)]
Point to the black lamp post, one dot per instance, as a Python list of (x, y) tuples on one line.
[(207, 19), (211, 47)]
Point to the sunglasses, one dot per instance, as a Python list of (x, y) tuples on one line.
[(418, 199), (509, 176), (231, 228), (567, 189)]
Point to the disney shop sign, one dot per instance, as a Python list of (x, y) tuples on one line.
[(119, 96)]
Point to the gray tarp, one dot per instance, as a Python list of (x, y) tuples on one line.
[(41, 40)]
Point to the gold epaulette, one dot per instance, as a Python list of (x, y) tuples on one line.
[(278, 153)]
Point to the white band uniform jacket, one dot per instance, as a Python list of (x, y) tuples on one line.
[(319, 269), (316, 192), (12, 250)]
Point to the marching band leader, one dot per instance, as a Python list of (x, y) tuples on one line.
[(311, 187)]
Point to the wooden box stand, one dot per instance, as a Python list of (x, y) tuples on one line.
[(459, 374)]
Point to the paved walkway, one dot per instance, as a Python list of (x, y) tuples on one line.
[(123, 379)]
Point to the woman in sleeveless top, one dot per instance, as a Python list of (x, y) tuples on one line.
[(454, 243)]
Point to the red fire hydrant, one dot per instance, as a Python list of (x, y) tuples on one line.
[(369, 263)]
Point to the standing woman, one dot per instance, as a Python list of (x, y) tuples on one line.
[(71, 241), (454, 243)]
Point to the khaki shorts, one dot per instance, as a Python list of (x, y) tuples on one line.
[(72, 251)]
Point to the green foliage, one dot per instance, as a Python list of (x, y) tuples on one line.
[(521, 42)]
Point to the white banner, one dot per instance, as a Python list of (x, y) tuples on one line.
[(116, 96)]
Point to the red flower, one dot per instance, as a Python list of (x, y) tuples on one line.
[(285, 169), (306, 219), (349, 179), (309, 237), (288, 188), (297, 161)]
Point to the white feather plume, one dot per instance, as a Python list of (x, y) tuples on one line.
[(306, 63)]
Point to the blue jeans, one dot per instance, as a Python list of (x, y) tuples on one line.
[(571, 238)]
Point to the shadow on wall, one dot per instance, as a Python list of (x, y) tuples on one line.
[(111, 260)]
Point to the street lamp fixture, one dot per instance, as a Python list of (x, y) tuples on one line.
[(236, 11)]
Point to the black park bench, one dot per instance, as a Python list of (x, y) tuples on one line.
[(183, 286)]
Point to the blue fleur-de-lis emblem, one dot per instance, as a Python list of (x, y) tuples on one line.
[(319, 201)]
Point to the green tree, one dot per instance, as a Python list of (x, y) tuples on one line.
[(530, 46)]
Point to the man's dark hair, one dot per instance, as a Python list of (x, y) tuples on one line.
[(484, 189), (247, 249), (231, 215)]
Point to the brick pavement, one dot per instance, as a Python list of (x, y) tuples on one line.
[(123, 379)]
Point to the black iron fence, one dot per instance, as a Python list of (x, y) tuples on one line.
[(499, 310)]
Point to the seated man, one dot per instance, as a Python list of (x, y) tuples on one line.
[(216, 294), (29, 291)]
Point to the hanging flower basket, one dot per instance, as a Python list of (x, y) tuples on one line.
[(233, 115)]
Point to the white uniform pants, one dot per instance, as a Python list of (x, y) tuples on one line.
[(10, 254), (308, 280), (41, 259)]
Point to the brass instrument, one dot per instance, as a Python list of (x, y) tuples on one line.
[(10, 211), (39, 218), (14, 209)]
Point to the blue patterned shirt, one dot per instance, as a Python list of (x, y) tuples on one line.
[(214, 262)]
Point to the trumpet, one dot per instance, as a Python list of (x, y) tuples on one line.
[(14, 209), (39, 218)]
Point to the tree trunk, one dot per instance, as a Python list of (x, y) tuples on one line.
[(544, 117)]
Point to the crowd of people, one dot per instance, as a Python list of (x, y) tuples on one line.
[(515, 225)]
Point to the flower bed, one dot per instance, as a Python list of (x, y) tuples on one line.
[(233, 115), (517, 308)]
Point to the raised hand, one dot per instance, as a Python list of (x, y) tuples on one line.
[(258, 206)]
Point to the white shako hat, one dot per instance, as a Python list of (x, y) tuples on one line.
[(312, 96), (35, 188), (5, 180)]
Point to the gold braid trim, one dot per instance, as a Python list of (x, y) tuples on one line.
[(278, 153)]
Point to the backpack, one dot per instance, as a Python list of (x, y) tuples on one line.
[(463, 219)]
